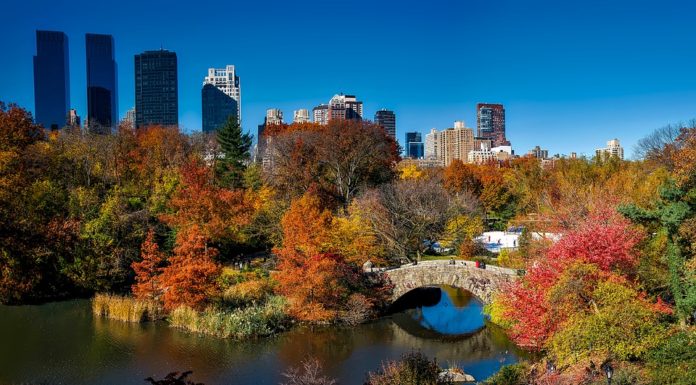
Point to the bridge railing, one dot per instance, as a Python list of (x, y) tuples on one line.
[(453, 263)]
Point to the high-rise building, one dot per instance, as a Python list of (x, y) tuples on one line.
[(431, 145), (227, 81), (414, 145), (320, 114), (300, 116), (538, 153), (491, 123), (273, 117), (456, 143), (102, 83), (51, 79), (129, 120), (387, 119), (345, 107), (613, 149), (156, 88), (217, 107), (73, 118)]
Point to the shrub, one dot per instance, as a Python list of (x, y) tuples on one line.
[(124, 308), (515, 374), (249, 322), (308, 373), (413, 369), (673, 361), (248, 292), (358, 310)]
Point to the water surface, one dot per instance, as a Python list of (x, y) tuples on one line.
[(61, 343)]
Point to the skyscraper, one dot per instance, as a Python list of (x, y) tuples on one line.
[(431, 145), (227, 81), (129, 119), (491, 123), (300, 116), (51, 79), (273, 117), (217, 107), (387, 119), (73, 118), (156, 88), (414, 145), (102, 85)]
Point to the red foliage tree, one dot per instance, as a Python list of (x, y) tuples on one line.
[(190, 277), (147, 271), (604, 240)]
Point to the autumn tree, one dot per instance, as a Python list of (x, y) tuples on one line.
[(147, 271), (190, 278), (341, 158), (234, 148), (410, 214)]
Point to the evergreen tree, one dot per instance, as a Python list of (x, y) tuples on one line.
[(235, 146)]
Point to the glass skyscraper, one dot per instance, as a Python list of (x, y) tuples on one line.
[(217, 107), (414, 145), (51, 79), (102, 86), (156, 89)]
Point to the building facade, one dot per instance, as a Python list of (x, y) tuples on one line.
[(612, 150), (413, 145), (456, 143), (227, 81), (156, 88), (431, 145), (387, 119), (51, 79), (538, 153), (217, 107), (300, 116), (490, 123), (74, 119), (129, 120), (320, 114), (102, 83)]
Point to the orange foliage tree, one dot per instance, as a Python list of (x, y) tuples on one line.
[(148, 270), (217, 212), (190, 279)]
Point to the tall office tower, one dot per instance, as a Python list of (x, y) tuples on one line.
[(217, 107), (538, 153), (491, 123), (102, 84), (432, 145), (612, 150), (273, 117), (387, 119), (156, 88), (227, 81), (51, 79), (414, 145), (320, 114), (73, 118), (455, 143), (345, 107), (300, 116), (129, 120)]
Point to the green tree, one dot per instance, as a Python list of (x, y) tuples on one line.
[(234, 147)]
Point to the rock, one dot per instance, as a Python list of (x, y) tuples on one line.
[(458, 376)]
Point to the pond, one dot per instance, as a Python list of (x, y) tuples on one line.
[(61, 343)]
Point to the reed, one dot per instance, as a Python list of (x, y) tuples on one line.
[(249, 322), (124, 308)]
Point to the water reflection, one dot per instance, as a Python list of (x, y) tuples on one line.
[(63, 343), (440, 312)]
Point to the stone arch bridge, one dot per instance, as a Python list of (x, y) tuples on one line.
[(482, 282)]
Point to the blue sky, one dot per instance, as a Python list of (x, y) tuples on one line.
[(572, 75)]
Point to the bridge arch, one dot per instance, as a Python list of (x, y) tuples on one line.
[(481, 282)]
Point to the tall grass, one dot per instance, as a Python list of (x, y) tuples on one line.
[(249, 322), (124, 308)]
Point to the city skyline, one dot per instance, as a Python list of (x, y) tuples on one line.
[(558, 94)]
